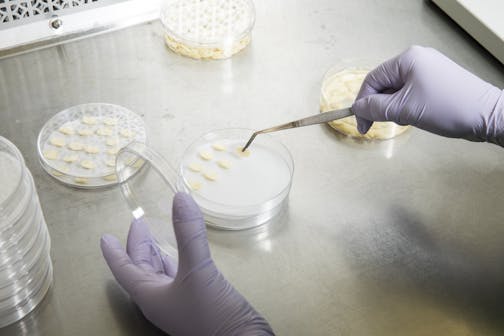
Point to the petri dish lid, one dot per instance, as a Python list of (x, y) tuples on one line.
[(209, 22), (12, 196), (148, 184), (78, 146)]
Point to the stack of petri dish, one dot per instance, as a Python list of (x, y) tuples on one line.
[(207, 29), (25, 263)]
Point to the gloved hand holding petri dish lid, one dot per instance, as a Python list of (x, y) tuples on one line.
[(235, 190), (210, 29)]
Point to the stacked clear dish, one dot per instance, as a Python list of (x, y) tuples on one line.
[(25, 263)]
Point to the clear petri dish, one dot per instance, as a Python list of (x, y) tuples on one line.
[(340, 87), (78, 146), (24, 307), (148, 184), (234, 190), (207, 29), (25, 264), (237, 190)]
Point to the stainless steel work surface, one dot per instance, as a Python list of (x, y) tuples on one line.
[(396, 237)]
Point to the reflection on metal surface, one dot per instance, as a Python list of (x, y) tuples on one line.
[(30, 25), (260, 236)]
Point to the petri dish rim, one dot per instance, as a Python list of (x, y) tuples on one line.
[(156, 161), (19, 157), (255, 205), (210, 44)]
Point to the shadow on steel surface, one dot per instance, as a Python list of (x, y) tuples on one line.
[(412, 260), (128, 316)]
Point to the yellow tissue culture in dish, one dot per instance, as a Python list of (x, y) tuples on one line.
[(339, 90)]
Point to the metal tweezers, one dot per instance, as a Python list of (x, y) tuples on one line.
[(316, 119)]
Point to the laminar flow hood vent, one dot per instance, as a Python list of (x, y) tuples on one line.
[(33, 24)]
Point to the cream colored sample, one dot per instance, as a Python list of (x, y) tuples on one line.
[(88, 164), (110, 121), (218, 147), (113, 151), (195, 167), (242, 153), (92, 149), (110, 178), (194, 185), (58, 142), (81, 180), (111, 142), (210, 176), (207, 156), (225, 164), (76, 146), (71, 158), (104, 131), (67, 130), (51, 154), (110, 163), (85, 131), (89, 120)]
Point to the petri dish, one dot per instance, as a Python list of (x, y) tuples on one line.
[(236, 190), (78, 146), (207, 29), (148, 184), (25, 264), (340, 87)]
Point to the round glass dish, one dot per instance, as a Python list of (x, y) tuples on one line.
[(207, 29), (237, 190), (340, 87), (25, 263), (148, 184), (234, 190), (78, 146)]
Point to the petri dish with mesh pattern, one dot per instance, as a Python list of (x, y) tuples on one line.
[(207, 29), (78, 146)]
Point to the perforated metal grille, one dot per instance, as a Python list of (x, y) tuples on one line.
[(19, 10)]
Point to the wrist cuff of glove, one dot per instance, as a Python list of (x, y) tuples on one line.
[(495, 132)]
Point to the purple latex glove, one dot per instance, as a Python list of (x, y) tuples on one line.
[(196, 299), (433, 93)]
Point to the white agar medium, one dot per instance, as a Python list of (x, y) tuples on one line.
[(207, 29), (243, 181), (235, 189), (77, 145), (339, 90)]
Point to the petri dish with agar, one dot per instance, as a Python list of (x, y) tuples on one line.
[(340, 87), (207, 29), (78, 146), (235, 190)]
